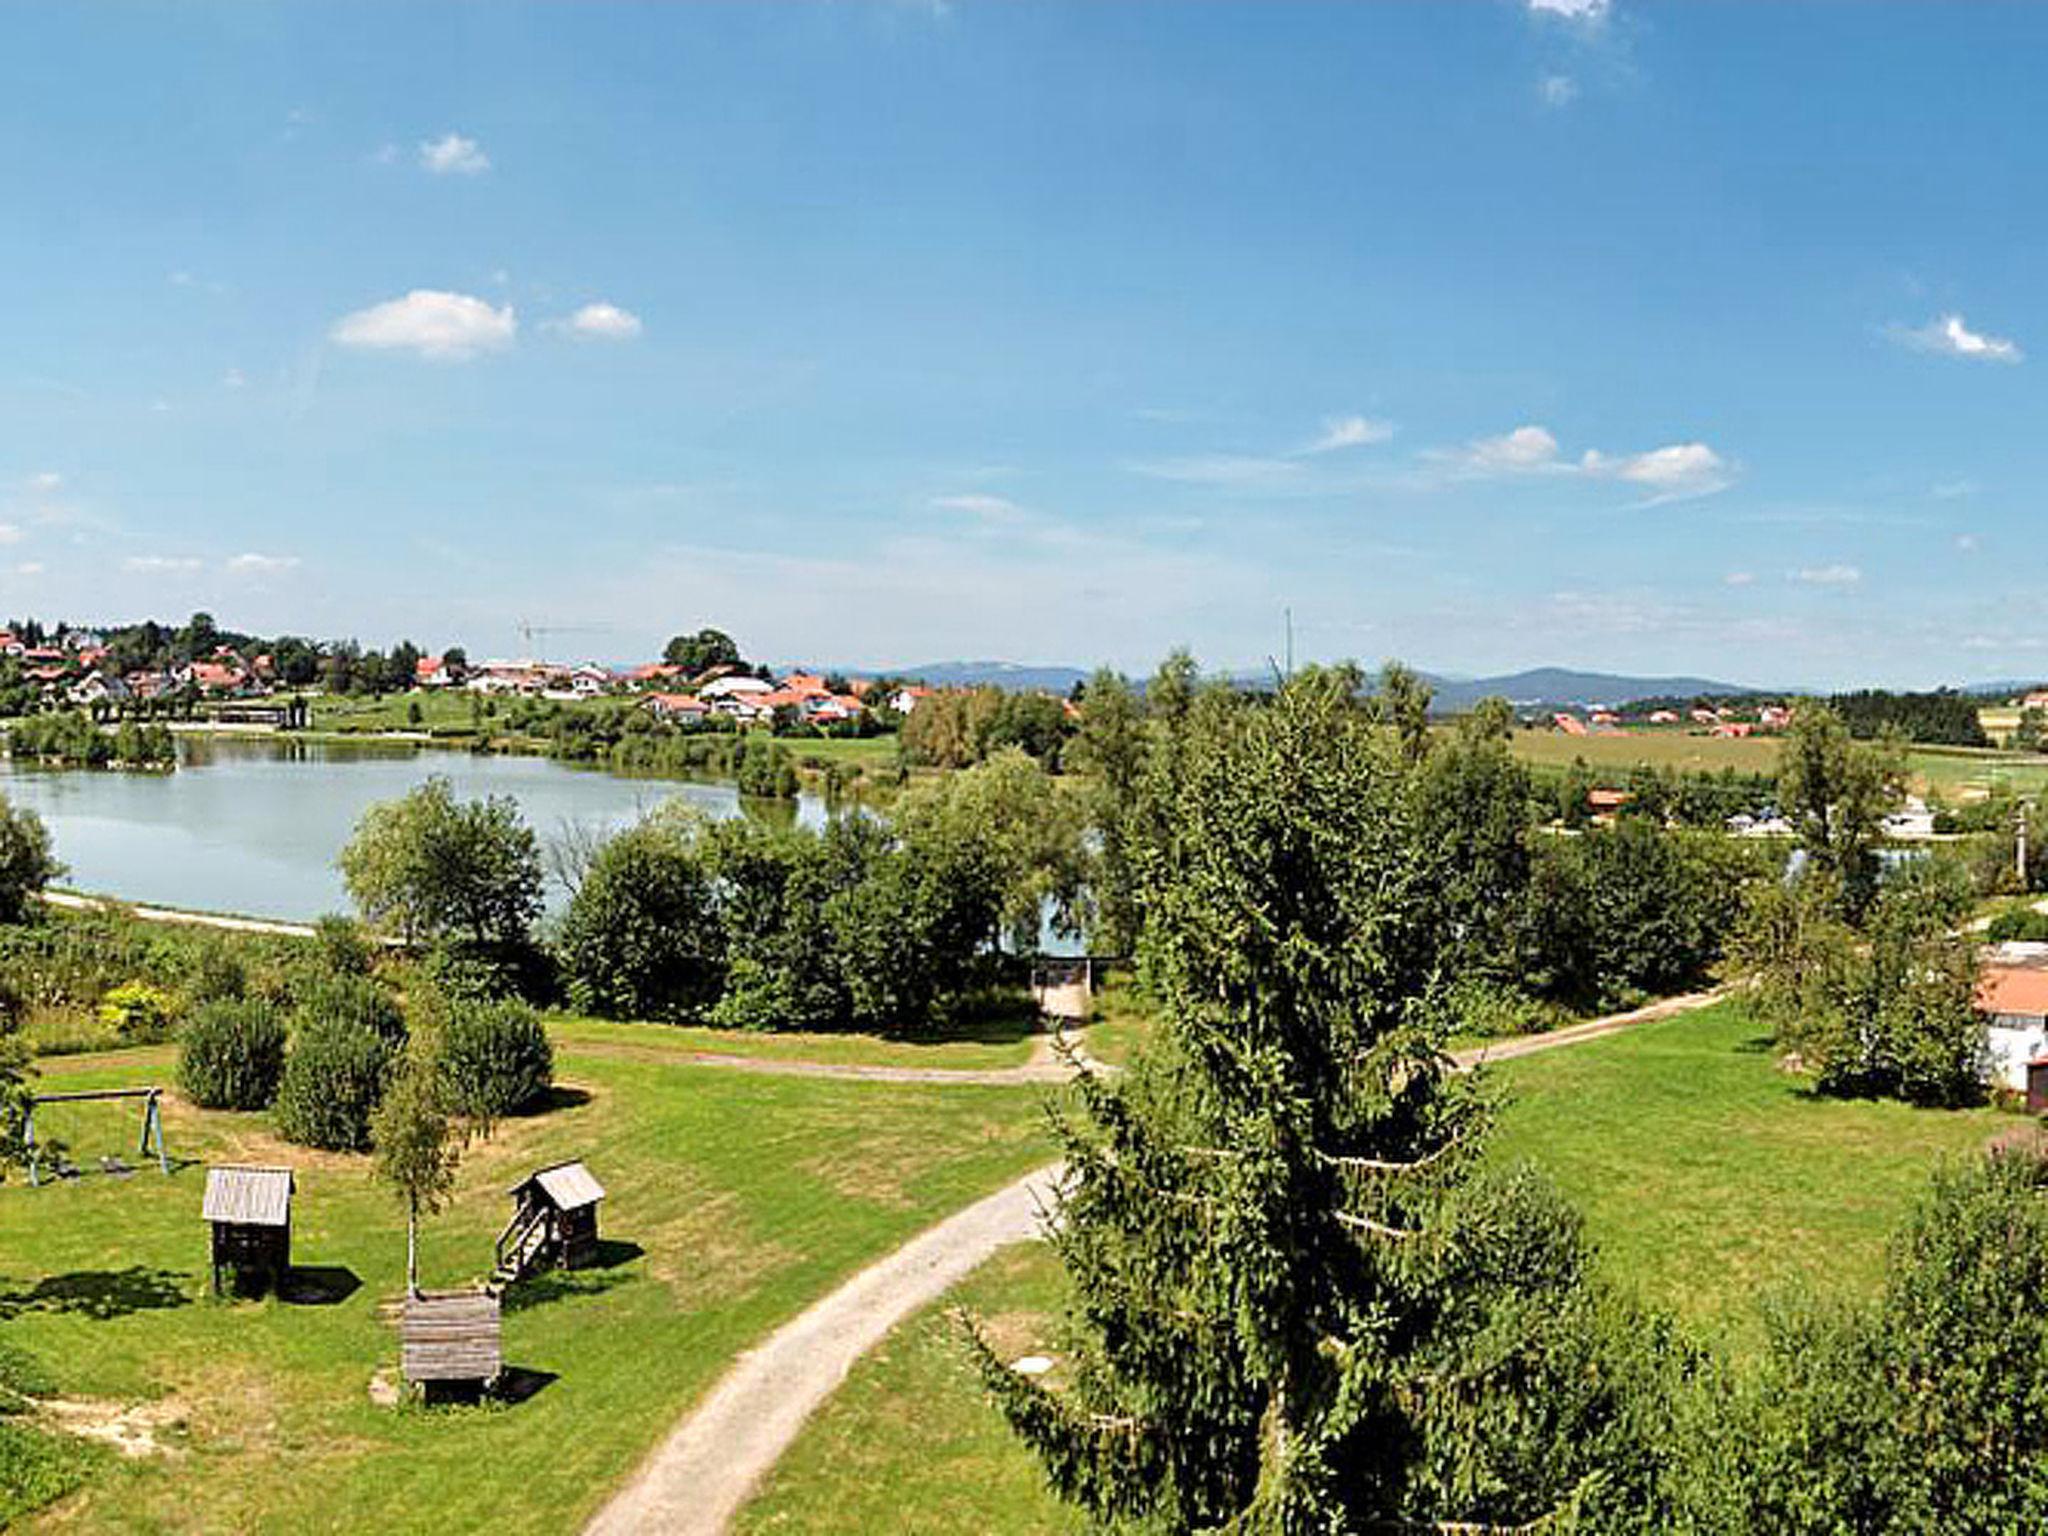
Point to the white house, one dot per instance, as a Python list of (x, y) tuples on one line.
[(2014, 999), (734, 685)]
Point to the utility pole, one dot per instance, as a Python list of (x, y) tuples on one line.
[(2019, 842), (1290, 641)]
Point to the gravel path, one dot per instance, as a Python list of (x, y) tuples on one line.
[(696, 1480), (190, 919)]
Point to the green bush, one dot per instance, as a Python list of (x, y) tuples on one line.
[(495, 1057), (27, 863), (344, 949), (138, 1013), (2018, 923), (357, 1000), (232, 1055), (333, 1078), (641, 939)]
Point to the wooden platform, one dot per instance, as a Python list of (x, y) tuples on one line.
[(455, 1337)]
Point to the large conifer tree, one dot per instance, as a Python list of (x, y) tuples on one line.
[(1301, 1304)]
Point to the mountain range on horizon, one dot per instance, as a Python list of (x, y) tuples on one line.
[(1533, 687)]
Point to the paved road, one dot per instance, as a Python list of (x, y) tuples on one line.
[(696, 1480)]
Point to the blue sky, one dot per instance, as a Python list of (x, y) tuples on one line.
[(1485, 334)]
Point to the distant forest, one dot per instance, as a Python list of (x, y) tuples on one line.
[(1942, 718)]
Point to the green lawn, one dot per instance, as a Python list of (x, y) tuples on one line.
[(909, 1444), (444, 709), (995, 1040), (1707, 1178), (734, 1199)]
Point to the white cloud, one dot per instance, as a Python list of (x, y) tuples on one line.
[(234, 378), (1558, 90), (45, 482), (1828, 575), (1967, 543), (1350, 432), (1572, 10), (161, 565), (1525, 448), (10, 533), (29, 568), (994, 509), (600, 322), (1953, 490), (262, 565), (1675, 472), (430, 322), (1739, 579), (1949, 336), (453, 155)]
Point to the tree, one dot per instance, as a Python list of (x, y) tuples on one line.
[(642, 938), (1920, 1413), (1109, 750), (416, 1152), (1837, 793), (700, 652), (27, 861), (1301, 1302), (436, 868)]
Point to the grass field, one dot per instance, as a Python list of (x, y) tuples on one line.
[(1707, 1178), (1667, 748), (984, 1043), (734, 1199)]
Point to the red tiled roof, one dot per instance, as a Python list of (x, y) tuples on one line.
[(2013, 989)]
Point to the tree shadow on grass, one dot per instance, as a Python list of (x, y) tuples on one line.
[(1757, 1045), (549, 1100), (100, 1293), (318, 1285)]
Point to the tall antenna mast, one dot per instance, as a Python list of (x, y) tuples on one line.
[(1290, 641)]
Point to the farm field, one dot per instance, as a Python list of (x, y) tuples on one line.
[(1660, 748), (734, 1199), (1707, 1178)]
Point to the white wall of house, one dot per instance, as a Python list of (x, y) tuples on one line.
[(2015, 1040)]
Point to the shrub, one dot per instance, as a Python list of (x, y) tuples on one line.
[(344, 948), (495, 1058), (2021, 923), (218, 974), (332, 1081), (357, 1000), (232, 1055), (138, 1013)]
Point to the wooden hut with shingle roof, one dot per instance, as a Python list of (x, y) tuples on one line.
[(250, 1212), (452, 1345)]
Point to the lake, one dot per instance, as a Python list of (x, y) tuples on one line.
[(252, 825)]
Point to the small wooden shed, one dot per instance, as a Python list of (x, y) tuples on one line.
[(250, 1211), (451, 1346), (2037, 1085), (554, 1219)]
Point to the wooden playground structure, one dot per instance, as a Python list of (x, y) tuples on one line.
[(152, 1137)]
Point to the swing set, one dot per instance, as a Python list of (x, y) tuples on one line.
[(152, 1124)]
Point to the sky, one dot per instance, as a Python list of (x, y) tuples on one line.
[(1702, 338)]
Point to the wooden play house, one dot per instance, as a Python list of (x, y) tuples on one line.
[(554, 1221), (250, 1212), (452, 1346)]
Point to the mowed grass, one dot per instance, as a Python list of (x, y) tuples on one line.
[(910, 1443), (734, 1200), (1708, 1178), (985, 1042)]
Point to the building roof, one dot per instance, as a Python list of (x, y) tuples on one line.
[(255, 1197), (569, 1185), (452, 1338), (2013, 989)]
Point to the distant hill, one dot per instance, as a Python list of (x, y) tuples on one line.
[(1017, 677), (1558, 687), (1562, 687)]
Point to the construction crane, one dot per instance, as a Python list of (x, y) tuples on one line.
[(530, 632)]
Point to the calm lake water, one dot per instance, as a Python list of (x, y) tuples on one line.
[(253, 825)]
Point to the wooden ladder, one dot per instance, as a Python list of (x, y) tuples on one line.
[(518, 1246)]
